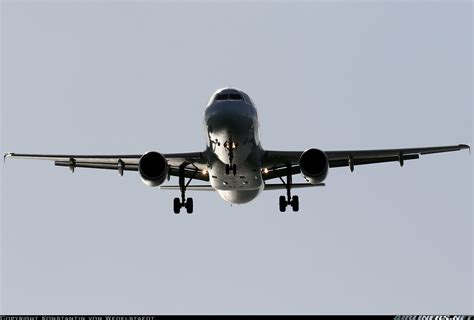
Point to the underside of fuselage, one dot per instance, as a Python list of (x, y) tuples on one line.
[(239, 196)]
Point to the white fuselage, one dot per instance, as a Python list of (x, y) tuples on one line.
[(232, 139)]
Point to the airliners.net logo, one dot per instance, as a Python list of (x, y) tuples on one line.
[(434, 318)]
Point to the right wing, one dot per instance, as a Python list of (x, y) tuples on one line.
[(195, 162)]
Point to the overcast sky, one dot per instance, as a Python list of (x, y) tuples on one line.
[(127, 77)]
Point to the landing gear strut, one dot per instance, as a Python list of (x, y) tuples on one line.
[(230, 145), (183, 202), (294, 201), (228, 168)]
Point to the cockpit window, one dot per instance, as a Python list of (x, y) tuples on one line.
[(222, 96), (228, 96), (235, 96)]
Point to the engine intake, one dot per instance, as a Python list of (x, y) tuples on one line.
[(153, 168), (314, 165)]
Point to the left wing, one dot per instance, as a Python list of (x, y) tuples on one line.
[(277, 162), (195, 162)]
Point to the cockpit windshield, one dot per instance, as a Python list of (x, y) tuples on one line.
[(235, 96), (222, 96), (228, 96)]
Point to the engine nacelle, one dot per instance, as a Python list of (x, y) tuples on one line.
[(314, 165), (153, 168)]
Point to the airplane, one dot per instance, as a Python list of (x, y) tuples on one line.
[(234, 162)]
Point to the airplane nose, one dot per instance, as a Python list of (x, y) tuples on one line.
[(230, 117)]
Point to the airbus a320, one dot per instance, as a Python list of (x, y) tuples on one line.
[(234, 163)]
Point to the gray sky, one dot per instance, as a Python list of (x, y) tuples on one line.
[(128, 77)]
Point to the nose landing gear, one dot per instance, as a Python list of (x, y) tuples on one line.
[(294, 201), (230, 146), (228, 168), (183, 202)]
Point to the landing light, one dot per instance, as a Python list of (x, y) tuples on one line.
[(265, 170), (204, 172)]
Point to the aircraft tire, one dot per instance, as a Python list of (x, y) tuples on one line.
[(189, 205), (176, 205), (295, 203), (282, 203)]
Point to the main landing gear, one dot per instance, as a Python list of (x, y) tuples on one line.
[(293, 201), (183, 202), (230, 146)]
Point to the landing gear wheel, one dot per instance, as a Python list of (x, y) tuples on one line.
[(295, 203), (189, 205), (282, 203), (176, 205), (182, 202), (234, 169), (289, 200), (227, 169)]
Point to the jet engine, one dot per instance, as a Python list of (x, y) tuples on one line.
[(153, 168), (314, 165)]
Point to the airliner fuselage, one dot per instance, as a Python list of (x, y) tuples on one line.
[(233, 146)]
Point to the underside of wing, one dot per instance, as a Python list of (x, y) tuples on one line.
[(281, 163), (193, 163), (280, 186), (191, 187)]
